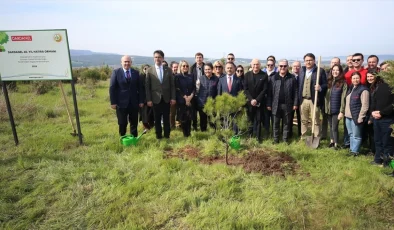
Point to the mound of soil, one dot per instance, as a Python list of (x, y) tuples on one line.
[(258, 160)]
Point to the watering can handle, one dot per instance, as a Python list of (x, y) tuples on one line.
[(141, 134), (120, 139)]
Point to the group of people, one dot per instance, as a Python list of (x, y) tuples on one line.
[(166, 94)]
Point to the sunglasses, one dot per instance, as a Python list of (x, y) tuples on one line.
[(269, 65), (185, 66), (239, 70), (283, 66), (218, 67), (230, 58), (356, 60)]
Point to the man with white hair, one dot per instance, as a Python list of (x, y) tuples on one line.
[(282, 100), (255, 86), (126, 95)]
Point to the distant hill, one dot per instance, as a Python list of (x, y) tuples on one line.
[(87, 58)]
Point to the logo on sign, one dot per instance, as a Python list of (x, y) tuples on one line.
[(57, 37), (3, 40), (22, 38)]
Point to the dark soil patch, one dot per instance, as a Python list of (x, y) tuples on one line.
[(258, 160)]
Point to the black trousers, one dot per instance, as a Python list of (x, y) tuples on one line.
[(146, 116), (267, 120), (162, 111), (324, 126), (185, 115), (130, 114), (383, 140), (204, 119), (297, 112), (254, 117), (194, 112), (284, 114), (333, 123)]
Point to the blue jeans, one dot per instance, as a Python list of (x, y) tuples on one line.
[(346, 140), (355, 135), (383, 139)]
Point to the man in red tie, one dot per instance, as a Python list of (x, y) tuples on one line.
[(229, 83)]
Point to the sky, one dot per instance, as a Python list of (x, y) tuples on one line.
[(249, 29)]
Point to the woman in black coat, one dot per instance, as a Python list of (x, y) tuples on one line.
[(185, 90)]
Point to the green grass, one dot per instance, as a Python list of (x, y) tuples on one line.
[(49, 182)]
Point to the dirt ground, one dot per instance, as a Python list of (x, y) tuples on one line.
[(258, 160)]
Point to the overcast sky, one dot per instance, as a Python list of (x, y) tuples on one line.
[(249, 29)]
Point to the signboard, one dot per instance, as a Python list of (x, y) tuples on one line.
[(27, 55)]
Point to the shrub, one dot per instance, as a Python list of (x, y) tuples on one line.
[(42, 87), (91, 76), (76, 73)]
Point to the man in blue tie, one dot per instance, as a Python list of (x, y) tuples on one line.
[(160, 93), (126, 94)]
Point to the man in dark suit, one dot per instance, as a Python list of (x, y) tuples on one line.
[(197, 70), (282, 99), (126, 94), (296, 67), (229, 83), (255, 84), (160, 93)]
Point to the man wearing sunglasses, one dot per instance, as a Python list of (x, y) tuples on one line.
[(271, 70), (230, 57), (357, 62), (282, 100), (173, 123)]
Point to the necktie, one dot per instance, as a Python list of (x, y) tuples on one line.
[(161, 76), (128, 75), (229, 84)]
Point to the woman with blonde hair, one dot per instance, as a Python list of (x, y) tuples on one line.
[(218, 69), (185, 87)]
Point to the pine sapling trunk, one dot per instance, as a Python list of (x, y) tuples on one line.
[(227, 146)]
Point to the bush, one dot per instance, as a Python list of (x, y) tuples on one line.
[(50, 113), (105, 72), (42, 87), (76, 73), (90, 75), (11, 85)]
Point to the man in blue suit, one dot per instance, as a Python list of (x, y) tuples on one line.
[(229, 83), (126, 94)]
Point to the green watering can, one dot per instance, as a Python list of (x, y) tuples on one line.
[(391, 163), (235, 142), (128, 140)]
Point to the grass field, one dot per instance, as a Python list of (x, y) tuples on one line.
[(49, 182)]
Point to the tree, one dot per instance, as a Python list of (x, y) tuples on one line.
[(388, 77), (225, 111)]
